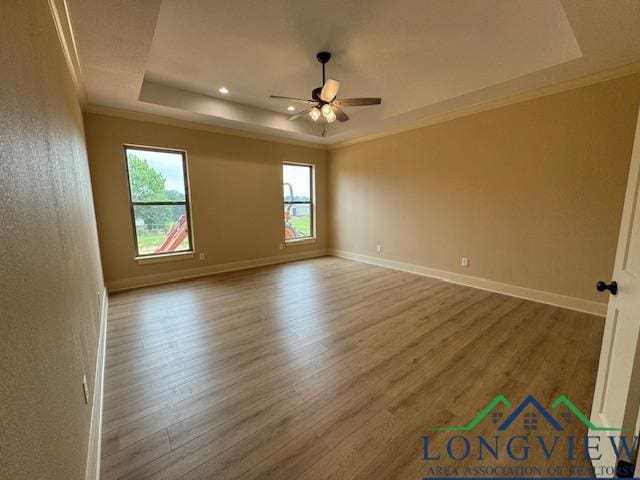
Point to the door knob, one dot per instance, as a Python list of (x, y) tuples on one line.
[(612, 287)]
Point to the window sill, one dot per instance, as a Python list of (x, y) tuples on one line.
[(164, 257), (300, 241)]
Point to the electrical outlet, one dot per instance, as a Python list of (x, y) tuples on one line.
[(85, 389), (201, 256), (464, 262), (282, 246), (379, 248)]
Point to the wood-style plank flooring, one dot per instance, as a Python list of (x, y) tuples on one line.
[(324, 369)]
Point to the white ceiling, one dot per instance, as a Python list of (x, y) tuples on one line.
[(423, 57)]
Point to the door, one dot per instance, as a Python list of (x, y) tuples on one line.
[(616, 401)]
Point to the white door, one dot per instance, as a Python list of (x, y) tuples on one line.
[(616, 401)]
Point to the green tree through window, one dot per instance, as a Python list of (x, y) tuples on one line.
[(160, 213), (147, 184)]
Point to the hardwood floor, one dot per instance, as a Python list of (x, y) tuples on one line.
[(326, 368)]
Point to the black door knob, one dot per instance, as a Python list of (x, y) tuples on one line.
[(612, 287)]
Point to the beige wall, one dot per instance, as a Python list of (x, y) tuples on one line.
[(235, 187), (532, 193), (50, 266)]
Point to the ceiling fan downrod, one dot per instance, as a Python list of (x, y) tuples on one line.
[(323, 58)]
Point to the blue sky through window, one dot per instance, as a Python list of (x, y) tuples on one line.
[(299, 177)]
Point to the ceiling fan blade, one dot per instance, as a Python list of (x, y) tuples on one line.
[(300, 114), (330, 90), (292, 99), (356, 102), (340, 115)]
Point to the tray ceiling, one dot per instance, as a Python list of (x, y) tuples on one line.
[(424, 58)]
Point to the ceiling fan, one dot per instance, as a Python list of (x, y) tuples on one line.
[(324, 101)]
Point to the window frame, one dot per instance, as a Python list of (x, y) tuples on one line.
[(311, 202), (186, 202)]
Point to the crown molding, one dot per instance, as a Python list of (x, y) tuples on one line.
[(62, 21), (174, 122), (599, 77)]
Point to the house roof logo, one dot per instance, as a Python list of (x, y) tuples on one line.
[(529, 401)]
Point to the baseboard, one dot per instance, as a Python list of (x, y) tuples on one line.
[(572, 303), (95, 431), (160, 278)]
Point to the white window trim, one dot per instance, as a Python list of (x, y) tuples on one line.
[(165, 257), (171, 256), (292, 242)]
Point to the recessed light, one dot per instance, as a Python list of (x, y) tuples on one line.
[(291, 108), (223, 90)]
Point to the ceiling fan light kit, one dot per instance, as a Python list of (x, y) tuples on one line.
[(330, 117), (324, 102), (314, 113)]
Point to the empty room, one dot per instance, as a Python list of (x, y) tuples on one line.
[(319, 240)]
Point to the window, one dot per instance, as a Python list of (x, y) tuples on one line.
[(159, 200), (530, 421), (298, 201)]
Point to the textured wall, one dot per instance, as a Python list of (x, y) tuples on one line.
[(49, 267), (235, 187), (532, 193)]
